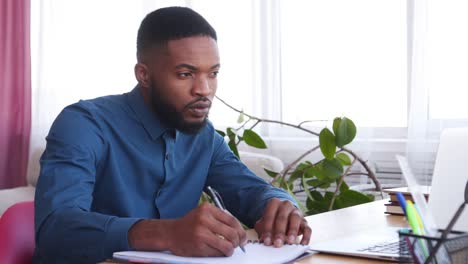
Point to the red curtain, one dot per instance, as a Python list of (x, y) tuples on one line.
[(15, 91)]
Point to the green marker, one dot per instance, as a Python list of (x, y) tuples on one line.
[(414, 221)]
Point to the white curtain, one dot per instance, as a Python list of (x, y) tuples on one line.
[(396, 67), (80, 50), (438, 77), (83, 49)]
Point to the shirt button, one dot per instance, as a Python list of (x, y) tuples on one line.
[(167, 156)]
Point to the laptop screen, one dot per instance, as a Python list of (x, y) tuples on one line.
[(450, 178)]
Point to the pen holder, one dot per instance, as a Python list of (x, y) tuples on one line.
[(428, 249)]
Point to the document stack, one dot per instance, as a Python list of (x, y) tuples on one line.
[(393, 207)]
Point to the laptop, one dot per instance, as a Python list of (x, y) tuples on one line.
[(382, 243), (447, 193), (450, 178)]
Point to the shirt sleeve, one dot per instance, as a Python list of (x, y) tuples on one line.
[(244, 194), (65, 226)]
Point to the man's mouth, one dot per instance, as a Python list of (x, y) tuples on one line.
[(200, 109)]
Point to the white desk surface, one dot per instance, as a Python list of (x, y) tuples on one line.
[(348, 221)]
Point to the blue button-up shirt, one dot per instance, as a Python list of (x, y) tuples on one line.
[(110, 162)]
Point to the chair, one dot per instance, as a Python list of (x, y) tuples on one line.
[(17, 234), (11, 196), (256, 162)]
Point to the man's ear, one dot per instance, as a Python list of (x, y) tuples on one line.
[(142, 74)]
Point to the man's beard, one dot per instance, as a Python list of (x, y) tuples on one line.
[(173, 118)]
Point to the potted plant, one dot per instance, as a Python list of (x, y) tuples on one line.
[(312, 177)]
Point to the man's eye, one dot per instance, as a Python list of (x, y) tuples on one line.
[(184, 74), (214, 74)]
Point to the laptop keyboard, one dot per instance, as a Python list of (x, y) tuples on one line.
[(388, 247)]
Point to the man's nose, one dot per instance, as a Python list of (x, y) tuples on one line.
[(202, 87)]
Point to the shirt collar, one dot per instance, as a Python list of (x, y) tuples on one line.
[(150, 121)]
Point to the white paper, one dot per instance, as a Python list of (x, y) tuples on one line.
[(255, 253)]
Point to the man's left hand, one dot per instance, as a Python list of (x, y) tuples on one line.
[(281, 223)]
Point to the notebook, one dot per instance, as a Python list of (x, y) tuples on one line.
[(255, 253), (447, 193)]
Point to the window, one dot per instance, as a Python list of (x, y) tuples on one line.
[(341, 57), (233, 22), (447, 52)]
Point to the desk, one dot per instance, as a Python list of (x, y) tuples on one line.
[(348, 221), (344, 222)]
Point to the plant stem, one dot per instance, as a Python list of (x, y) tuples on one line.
[(370, 173), (243, 124), (358, 173), (256, 123), (310, 121), (269, 120), (289, 167), (339, 184)]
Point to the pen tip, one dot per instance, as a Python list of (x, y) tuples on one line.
[(242, 248)]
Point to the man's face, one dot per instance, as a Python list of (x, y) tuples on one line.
[(183, 81)]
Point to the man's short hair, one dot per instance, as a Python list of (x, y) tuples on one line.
[(171, 23)]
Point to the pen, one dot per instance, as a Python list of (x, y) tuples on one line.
[(414, 219), (417, 195), (401, 201), (216, 198), (425, 215), (412, 216)]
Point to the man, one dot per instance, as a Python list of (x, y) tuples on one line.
[(125, 172)]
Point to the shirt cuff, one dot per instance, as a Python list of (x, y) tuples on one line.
[(262, 203), (117, 233)]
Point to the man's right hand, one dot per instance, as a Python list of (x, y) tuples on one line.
[(204, 231)]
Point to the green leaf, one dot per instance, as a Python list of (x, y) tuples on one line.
[(270, 173), (346, 132), (240, 119), (343, 187), (316, 195), (317, 206), (303, 165), (313, 182), (221, 133), (306, 189), (328, 196), (295, 175), (253, 139), (351, 197), (338, 204), (327, 143), (231, 134), (323, 170), (336, 124), (318, 184), (276, 184), (343, 158), (301, 206), (310, 172), (285, 185), (312, 211), (232, 145), (332, 169), (318, 171)]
